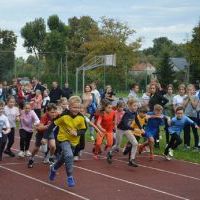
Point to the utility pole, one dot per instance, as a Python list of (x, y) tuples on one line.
[(66, 68)]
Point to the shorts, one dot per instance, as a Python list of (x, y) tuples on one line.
[(38, 139), (150, 134)]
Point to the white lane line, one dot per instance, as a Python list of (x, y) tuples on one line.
[(148, 167), (184, 161), (5, 164), (45, 183), (153, 168), (132, 183), (126, 181)]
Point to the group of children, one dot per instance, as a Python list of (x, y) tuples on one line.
[(63, 128)]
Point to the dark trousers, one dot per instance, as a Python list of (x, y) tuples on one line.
[(80, 146), (38, 112), (25, 139), (166, 131), (173, 143), (3, 141), (11, 138), (187, 137)]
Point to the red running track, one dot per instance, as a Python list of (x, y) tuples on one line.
[(95, 179)]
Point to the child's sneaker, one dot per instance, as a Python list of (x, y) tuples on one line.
[(51, 160), (109, 157), (52, 173), (96, 157), (167, 157), (21, 154), (30, 163), (76, 158), (28, 153), (151, 157), (171, 152), (92, 138), (9, 152), (132, 163), (70, 181)]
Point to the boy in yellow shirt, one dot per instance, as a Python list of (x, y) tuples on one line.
[(71, 125)]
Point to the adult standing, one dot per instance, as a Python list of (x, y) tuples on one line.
[(37, 86), (55, 93), (156, 98), (96, 92), (90, 104), (67, 91)]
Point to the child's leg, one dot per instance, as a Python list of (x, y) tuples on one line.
[(170, 144), (11, 137), (28, 140), (3, 141), (1, 152), (52, 147), (109, 138), (195, 133), (151, 145), (187, 135), (98, 143), (127, 148), (22, 134), (66, 157), (119, 135), (177, 142), (134, 143)]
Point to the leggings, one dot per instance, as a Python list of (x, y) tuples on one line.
[(25, 139)]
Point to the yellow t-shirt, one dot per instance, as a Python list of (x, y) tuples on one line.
[(136, 130), (68, 122)]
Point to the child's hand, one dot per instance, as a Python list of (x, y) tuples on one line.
[(197, 126), (143, 131), (44, 141), (18, 118), (73, 132)]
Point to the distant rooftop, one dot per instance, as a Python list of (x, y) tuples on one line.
[(179, 63)]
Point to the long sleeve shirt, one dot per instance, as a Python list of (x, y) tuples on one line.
[(177, 125)]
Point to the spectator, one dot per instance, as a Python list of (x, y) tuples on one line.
[(55, 93), (66, 91)]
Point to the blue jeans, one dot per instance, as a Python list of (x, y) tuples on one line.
[(66, 157)]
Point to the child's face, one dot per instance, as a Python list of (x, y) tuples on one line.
[(158, 112), (179, 114), (170, 90), (45, 94), (52, 113), (82, 110), (133, 107), (120, 109), (1, 110), (136, 89), (11, 103), (108, 108), (142, 115), (64, 105), (74, 108), (27, 108)]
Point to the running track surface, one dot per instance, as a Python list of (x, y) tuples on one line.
[(96, 179)]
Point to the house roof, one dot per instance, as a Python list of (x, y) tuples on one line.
[(142, 66), (179, 63)]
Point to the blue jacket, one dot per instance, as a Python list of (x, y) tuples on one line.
[(177, 125)]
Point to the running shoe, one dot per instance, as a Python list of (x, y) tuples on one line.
[(70, 181), (132, 163), (52, 173), (30, 163), (109, 157)]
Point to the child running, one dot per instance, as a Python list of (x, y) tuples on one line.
[(155, 120), (28, 119), (105, 123), (176, 126), (12, 112), (71, 125), (137, 132), (45, 121), (124, 128), (4, 129)]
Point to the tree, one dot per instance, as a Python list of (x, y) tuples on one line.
[(193, 49), (34, 34), (112, 38), (8, 42), (165, 70)]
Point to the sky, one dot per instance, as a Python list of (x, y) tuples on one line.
[(150, 19)]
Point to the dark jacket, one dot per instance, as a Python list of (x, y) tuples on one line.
[(66, 92), (55, 95), (157, 99)]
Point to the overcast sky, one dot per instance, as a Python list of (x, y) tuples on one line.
[(150, 18)]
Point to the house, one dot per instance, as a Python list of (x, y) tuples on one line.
[(179, 64), (143, 67)]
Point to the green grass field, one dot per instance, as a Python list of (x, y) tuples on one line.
[(180, 153)]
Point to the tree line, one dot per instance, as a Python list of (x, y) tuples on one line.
[(55, 44)]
